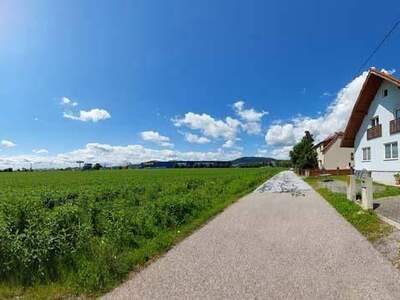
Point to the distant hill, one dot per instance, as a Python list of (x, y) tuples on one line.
[(239, 162), (252, 160)]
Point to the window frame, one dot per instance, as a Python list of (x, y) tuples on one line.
[(366, 154), (390, 144), (397, 113), (385, 93), (374, 121)]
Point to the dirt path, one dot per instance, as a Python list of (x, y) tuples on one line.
[(270, 246)]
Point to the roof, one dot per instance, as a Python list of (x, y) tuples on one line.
[(368, 91), (329, 141)]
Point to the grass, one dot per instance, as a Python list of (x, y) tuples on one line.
[(384, 190), (80, 233), (366, 222), (387, 192)]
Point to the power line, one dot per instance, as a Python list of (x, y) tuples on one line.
[(379, 46)]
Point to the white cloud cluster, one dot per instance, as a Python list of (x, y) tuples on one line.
[(196, 139), (281, 134), (40, 151), (155, 137), (93, 115), (111, 155), (226, 129), (209, 127), (7, 144), (334, 119), (251, 119)]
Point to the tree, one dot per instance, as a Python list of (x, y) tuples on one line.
[(303, 154), (283, 163), (97, 166)]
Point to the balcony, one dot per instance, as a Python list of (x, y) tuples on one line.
[(394, 126), (374, 132)]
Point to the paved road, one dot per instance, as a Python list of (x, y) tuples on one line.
[(269, 246), (388, 207)]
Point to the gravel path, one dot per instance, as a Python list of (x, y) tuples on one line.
[(284, 182), (270, 245)]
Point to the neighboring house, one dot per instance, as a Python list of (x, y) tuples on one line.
[(331, 156), (374, 126)]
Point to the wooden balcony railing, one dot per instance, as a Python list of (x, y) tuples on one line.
[(374, 132), (394, 126)]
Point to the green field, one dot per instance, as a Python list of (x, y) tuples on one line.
[(83, 232)]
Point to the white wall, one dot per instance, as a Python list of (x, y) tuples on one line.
[(336, 156), (384, 107)]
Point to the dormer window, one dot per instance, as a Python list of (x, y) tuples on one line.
[(397, 114), (385, 92), (375, 121)]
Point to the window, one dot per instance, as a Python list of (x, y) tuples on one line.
[(397, 114), (351, 156), (391, 151), (385, 92), (375, 121), (366, 153)]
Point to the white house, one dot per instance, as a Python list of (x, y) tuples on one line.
[(374, 127), (331, 156)]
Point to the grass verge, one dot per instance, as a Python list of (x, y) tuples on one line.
[(388, 191), (366, 222), (382, 189)]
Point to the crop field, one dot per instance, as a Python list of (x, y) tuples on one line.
[(79, 232)]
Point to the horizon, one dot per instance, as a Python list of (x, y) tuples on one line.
[(143, 80)]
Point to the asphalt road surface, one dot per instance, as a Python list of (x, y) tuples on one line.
[(270, 245)]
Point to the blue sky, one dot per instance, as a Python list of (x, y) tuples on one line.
[(160, 79)]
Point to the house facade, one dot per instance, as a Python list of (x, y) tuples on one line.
[(374, 127), (331, 156)]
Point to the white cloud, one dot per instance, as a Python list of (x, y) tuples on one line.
[(155, 137), (209, 127), (334, 119), (224, 129), (7, 144), (111, 155), (280, 134), (40, 151), (68, 102), (277, 153), (93, 115), (229, 144), (281, 153), (390, 72), (250, 117), (252, 127), (196, 139)]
